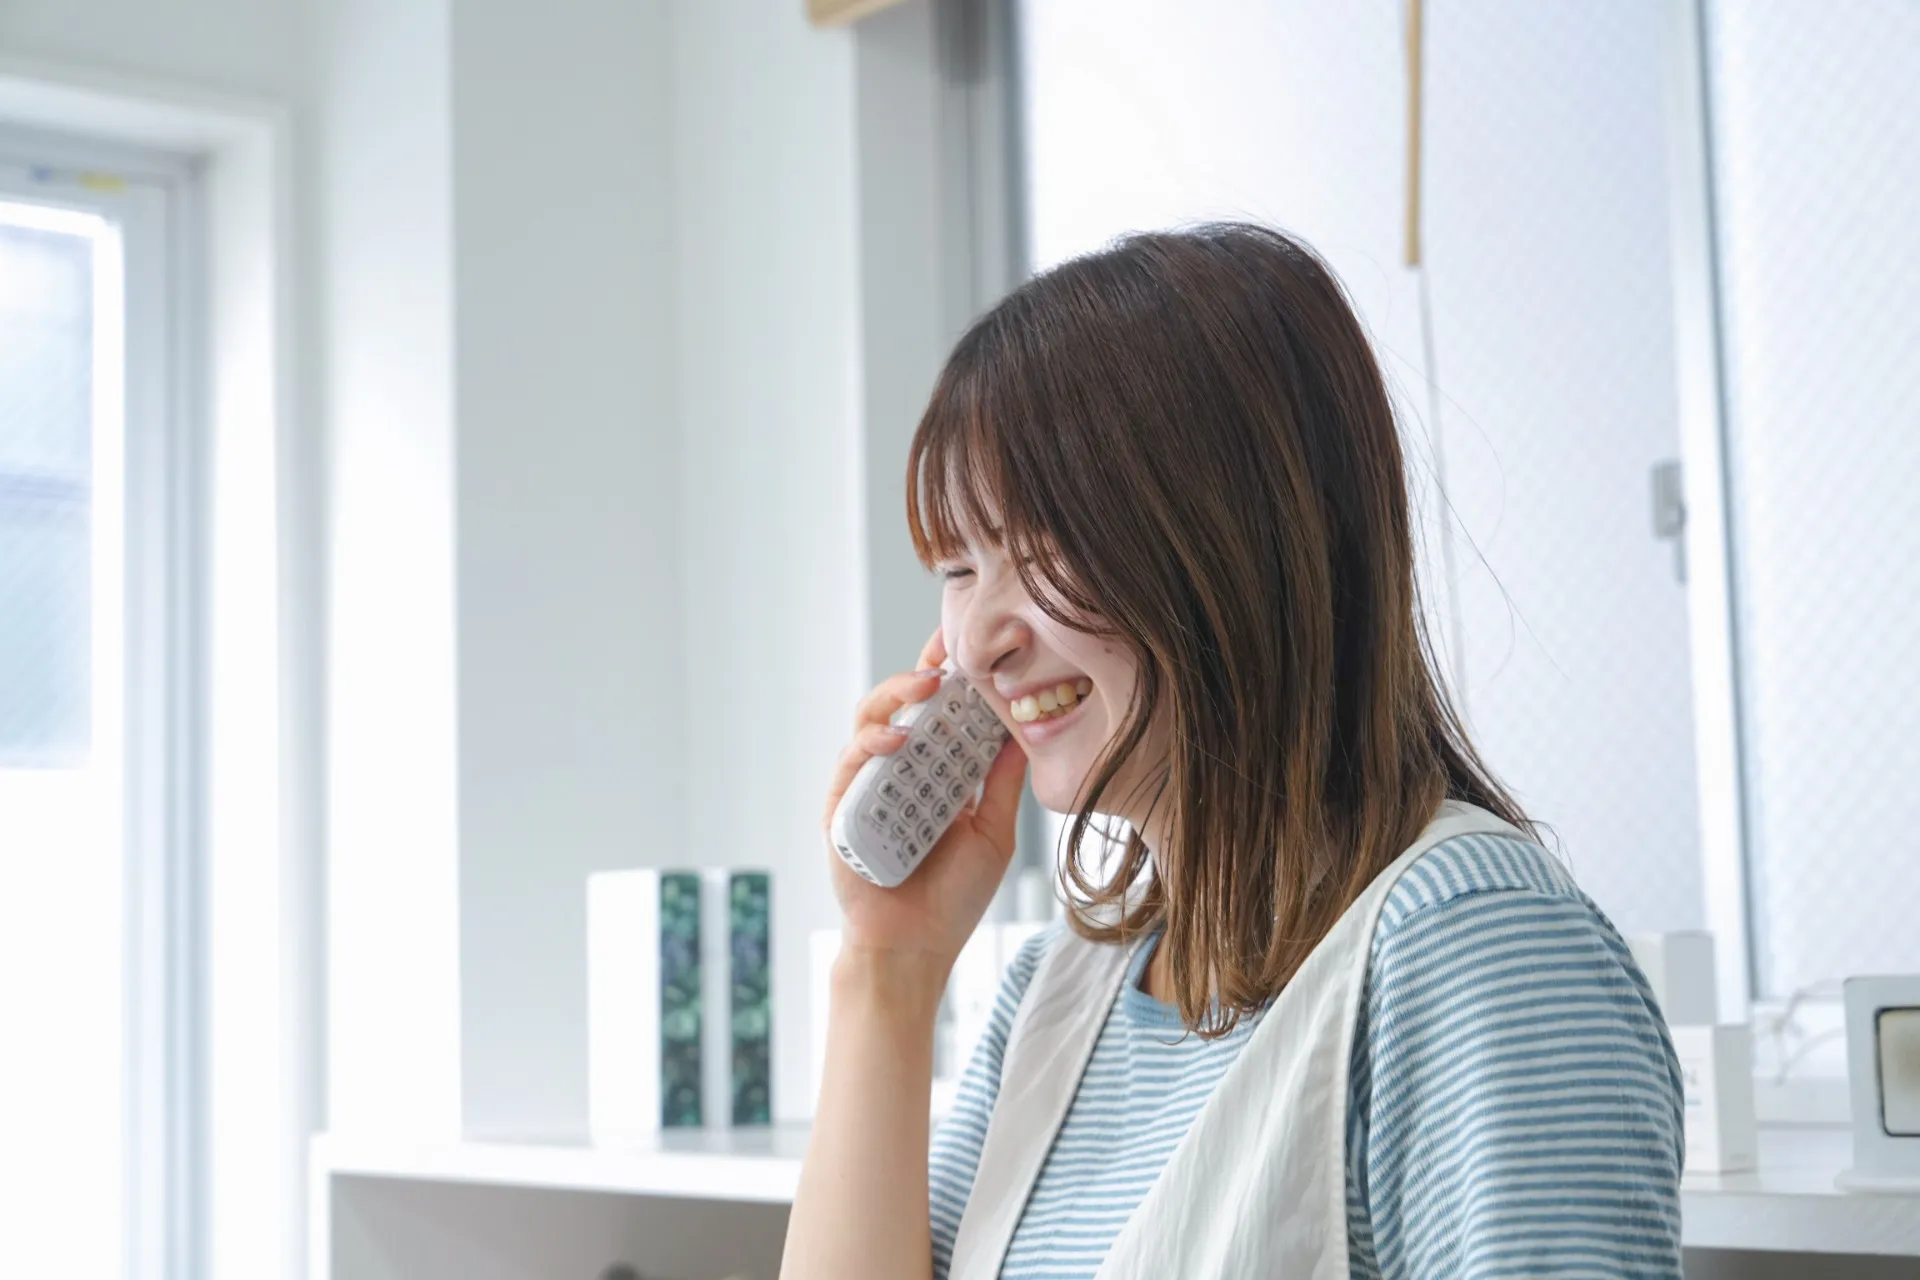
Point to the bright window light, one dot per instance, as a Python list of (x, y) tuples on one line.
[(62, 846)]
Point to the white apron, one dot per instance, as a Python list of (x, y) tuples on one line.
[(1258, 1186)]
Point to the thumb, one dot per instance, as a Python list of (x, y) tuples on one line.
[(1000, 802)]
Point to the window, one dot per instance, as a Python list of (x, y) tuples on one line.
[(94, 1094), (1538, 388), (1743, 766), (49, 262), (1817, 202)]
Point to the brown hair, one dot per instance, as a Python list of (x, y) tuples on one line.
[(1187, 435)]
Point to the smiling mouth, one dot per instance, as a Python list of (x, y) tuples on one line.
[(1048, 703)]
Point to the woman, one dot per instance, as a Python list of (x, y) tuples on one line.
[(1329, 1010)]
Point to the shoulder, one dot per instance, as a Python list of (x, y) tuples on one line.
[(1026, 958), (1508, 1051), (1017, 977), (1487, 934), (1470, 865)]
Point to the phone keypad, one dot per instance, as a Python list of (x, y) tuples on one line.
[(952, 740)]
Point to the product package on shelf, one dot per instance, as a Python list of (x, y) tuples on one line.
[(644, 1003), (750, 1009)]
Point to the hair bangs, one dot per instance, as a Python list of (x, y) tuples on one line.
[(985, 470)]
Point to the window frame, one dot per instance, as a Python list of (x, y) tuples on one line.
[(153, 199)]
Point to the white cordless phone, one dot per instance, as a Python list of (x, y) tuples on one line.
[(899, 805)]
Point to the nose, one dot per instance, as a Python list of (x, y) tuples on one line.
[(989, 629)]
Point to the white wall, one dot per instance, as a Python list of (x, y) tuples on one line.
[(382, 211), (633, 443), (767, 309), (241, 46), (573, 702)]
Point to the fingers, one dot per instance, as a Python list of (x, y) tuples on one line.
[(870, 741), (893, 693), (934, 652), (1000, 800)]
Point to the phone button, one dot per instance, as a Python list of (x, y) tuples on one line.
[(939, 730), (956, 751), (910, 810), (891, 791), (941, 809), (970, 771), (922, 748), (904, 768), (957, 791), (927, 833)]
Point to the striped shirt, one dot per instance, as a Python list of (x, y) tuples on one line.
[(1514, 1105)]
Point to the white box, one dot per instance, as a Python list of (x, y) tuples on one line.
[(1680, 968), (971, 990), (1716, 1064), (623, 1005), (1883, 1070)]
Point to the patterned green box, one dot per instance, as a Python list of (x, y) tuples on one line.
[(750, 917), (680, 1000)]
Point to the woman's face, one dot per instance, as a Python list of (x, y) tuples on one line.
[(1063, 692)]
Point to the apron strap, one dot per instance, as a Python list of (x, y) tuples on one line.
[(1258, 1186), (1048, 1047)]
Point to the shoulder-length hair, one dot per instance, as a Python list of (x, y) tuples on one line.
[(1187, 436)]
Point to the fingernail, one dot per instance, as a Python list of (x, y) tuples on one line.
[(897, 730), (924, 672)]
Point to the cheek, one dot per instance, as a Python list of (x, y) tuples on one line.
[(953, 618)]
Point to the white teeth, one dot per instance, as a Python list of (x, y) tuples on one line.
[(1049, 702)]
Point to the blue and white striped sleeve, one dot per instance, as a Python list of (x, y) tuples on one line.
[(1519, 1107), (955, 1150)]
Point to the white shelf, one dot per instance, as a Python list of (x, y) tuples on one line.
[(752, 1165), (1790, 1204)]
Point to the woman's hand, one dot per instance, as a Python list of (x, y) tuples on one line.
[(934, 911)]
